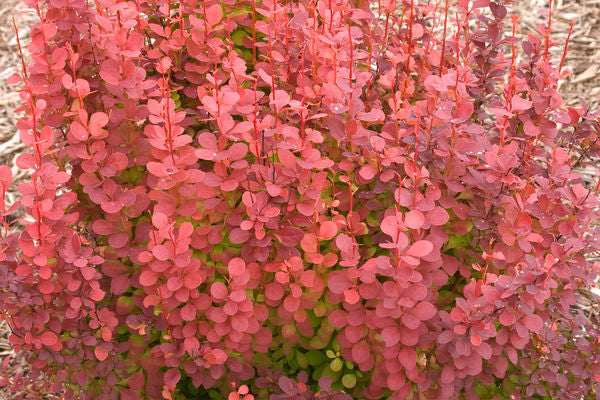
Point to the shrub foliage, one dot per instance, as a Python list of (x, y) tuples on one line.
[(333, 199)]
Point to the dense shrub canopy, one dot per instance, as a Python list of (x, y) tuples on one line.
[(333, 199)]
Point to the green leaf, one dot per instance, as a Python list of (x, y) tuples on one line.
[(191, 388), (458, 242), (302, 360), (334, 375), (262, 359), (316, 343), (317, 373), (319, 311), (238, 37), (349, 381), (336, 365), (315, 358)]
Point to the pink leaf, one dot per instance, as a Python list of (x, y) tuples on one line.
[(475, 339), (188, 312), (339, 282), (274, 291), (236, 266), (533, 322), (79, 131), (424, 311), (389, 226), (291, 303), (214, 14), (507, 317), (308, 278), (239, 323), (174, 283), (408, 357), (237, 151), (367, 172), (102, 227), (218, 290), (159, 220), (328, 230), (410, 321), (136, 381), (118, 240), (360, 352), (420, 248), (48, 338), (414, 219), (447, 375), (128, 394), (148, 278), (338, 318), (171, 377), (438, 216), (280, 99), (161, 252), (390, 335), (157, 169), (239, 236), (520, 104), (351, 296), (512, 354), (100, 353), (344, 243), (111, 207)]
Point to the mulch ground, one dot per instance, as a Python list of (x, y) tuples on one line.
[(583, 58)]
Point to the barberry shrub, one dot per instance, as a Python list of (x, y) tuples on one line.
[(334, 199)]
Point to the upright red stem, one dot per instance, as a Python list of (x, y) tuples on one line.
[(330, 16), (433, 25), (37, 150), (255, 121), (410, 33), (253, 31), (387, 22), (303, 101), (167, 98), (313, 48), (562, 59), (272, 73), (137, 17), (367, 93), (72, 62), (287, 38), (444, 39), (515, 20), (20, 49), (334, 66), (487, 260), (205, 21), (417, 127), (349, 218), (509, 92), (548, 28), (350, 67)]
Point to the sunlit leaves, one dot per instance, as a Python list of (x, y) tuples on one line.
[(277, 194)]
